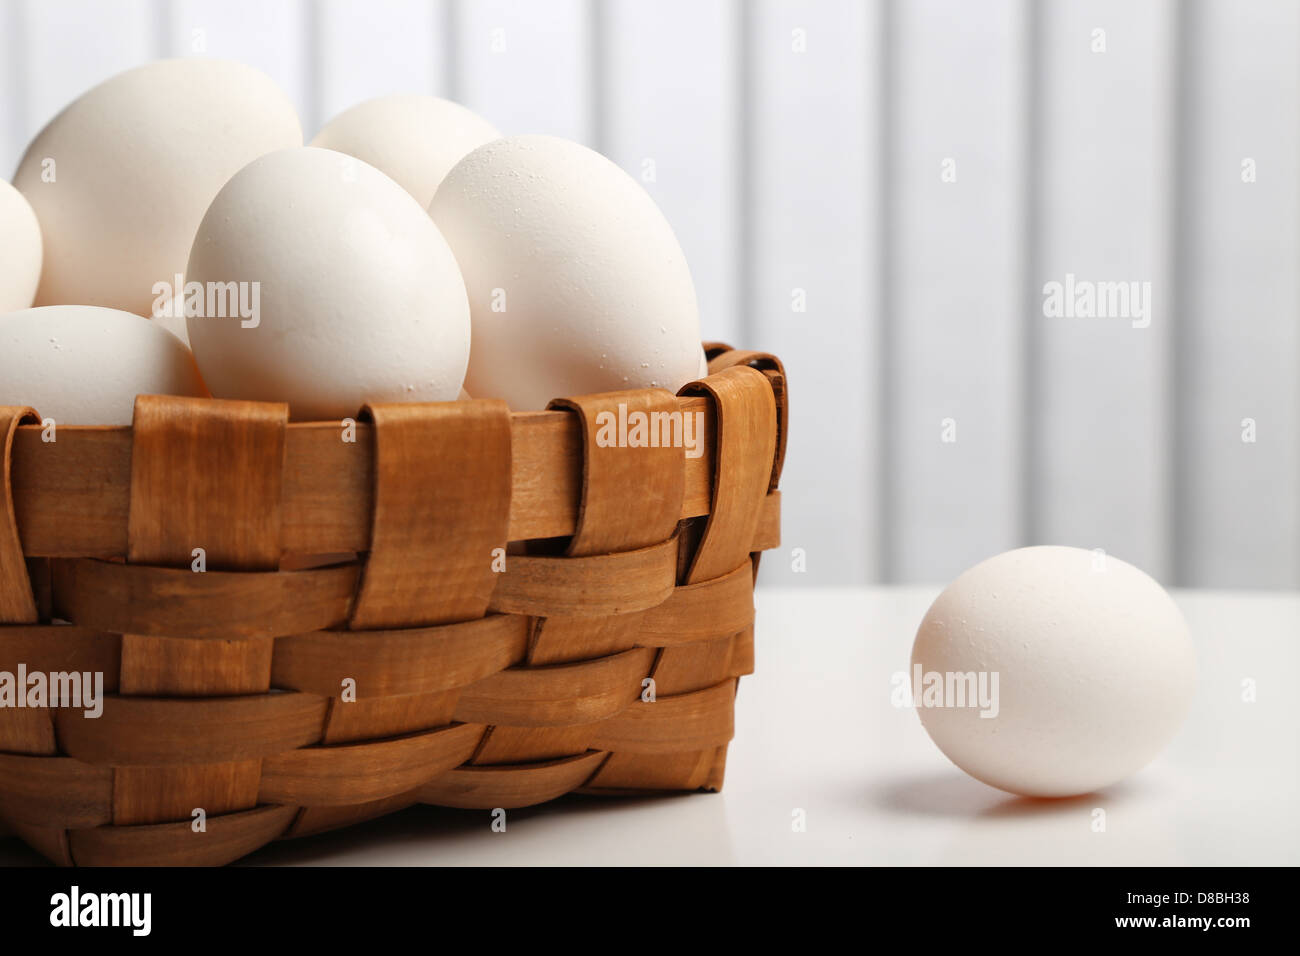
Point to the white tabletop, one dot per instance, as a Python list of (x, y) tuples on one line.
[(815, 731)]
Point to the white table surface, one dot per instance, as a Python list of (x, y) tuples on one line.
[(815, 730)]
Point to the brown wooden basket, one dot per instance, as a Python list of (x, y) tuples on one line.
[(603, 658)]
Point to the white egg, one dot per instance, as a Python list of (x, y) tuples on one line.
[(20, 250), (414, 139), (120, 179), (84, 365), (576, 282), (352, 293), (172, 319), (1094, 665)]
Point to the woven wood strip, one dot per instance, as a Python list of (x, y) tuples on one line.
[(685, 668), (152, 732), (400, 662), (528, 745), (337, 776), (596, 585), (27, 731), (698, 612), (172, 667), (206, 475), (71, 497), (143, 795), (441, 506), (49, 842), (686, 723), (379, 718), (17, 605), (51, 648), (216, 605), (742, 654), (227, 838), (563, 639), (772, 367), (55, 791), (558, 694), (631, 492), (510, 787), (640, 774), (746, 445), (314, 820)]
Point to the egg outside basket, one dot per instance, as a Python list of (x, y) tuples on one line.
[(603, 657)]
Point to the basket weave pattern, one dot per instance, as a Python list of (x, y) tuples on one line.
[(452, 605)]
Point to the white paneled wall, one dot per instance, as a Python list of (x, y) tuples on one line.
[(276, 37), (1239, 502), (813, 214), (1098, 401), (669, 113), (877, 191), (955, 388), (379, 48)]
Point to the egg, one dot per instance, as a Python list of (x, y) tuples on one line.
[(1052, 671), (120, 179), (172, 319), (414, 139), (20, 250), (576, 282), (84, 365), (347, 291)]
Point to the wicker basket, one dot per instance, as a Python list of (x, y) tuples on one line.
[(460, 606)]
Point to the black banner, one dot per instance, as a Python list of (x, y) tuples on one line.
[(247, 905)]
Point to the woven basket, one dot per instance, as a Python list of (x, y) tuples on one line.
[(460, 606)]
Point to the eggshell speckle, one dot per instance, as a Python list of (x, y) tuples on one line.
[(20, 250), (120, 179), (360, 298), (576, 282), (414, 139), (1095, 665), (84, 365)]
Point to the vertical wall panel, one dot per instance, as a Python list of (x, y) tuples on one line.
[(72, 45), (276, 37), (1101, 430), (13, 84), (1240, 523), (379, 48), (956, 287), (669, 116), (526, 65), (815, 186)]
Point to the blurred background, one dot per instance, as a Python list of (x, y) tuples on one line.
[(879, 191)]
